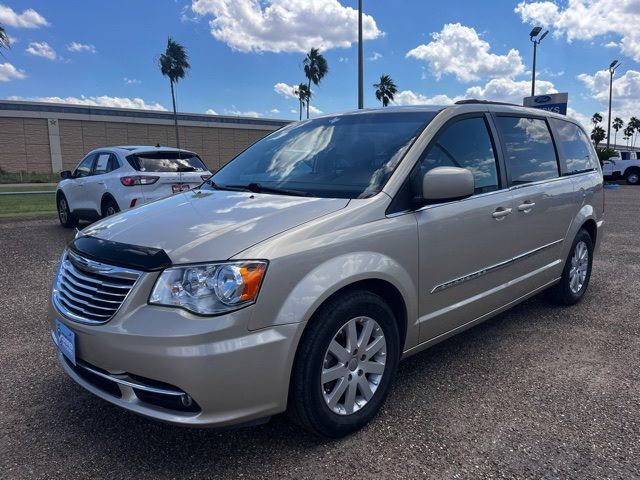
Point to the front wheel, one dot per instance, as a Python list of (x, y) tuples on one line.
[(345, 365), (67, 219), (633, 177), (577, 272)]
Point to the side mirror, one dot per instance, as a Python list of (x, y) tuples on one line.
[(66, 174), (447, 183)]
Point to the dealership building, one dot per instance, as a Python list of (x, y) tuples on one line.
[(48, 137)]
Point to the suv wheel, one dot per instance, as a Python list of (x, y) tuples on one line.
[(109, 207), (67, 219), (577, 272), (345, 365), (633, 177)]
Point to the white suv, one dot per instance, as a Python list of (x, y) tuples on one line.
[(112, 179), (623, 165)]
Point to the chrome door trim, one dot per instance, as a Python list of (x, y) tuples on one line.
[(492, 268)]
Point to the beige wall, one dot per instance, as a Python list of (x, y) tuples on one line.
[(24, 142), (24, 145)]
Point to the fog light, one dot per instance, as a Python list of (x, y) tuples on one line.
[(187, 401)]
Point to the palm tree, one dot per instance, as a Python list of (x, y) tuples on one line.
[(628, 133), (596, 118), (597, 135), (315, 68), (634, 123), (385, 90), (303, 93), (174, 64), (617, 125), (4, 38)]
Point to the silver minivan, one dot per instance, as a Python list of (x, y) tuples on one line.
[(303, 271)]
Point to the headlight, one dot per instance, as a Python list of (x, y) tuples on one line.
[(210, 288)]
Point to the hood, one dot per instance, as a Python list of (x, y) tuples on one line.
[(201, 226)]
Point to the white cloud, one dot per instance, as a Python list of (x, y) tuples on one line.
[(497, 89), (284, 25), (274, 110), (375, 56), (507, 90), (9, 72), (626, 91), (611, 45), (98, 101), (41, 49), (459, 50), (288, 91), (235, 112), (81, 47), (587, 19), (343, 59), (585, 120), (315, 111), (211, 111), (29, 18), (408, 97), (131, 81)]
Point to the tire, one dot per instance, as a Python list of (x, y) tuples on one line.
[(633, 177), (67, 219), (568, 291), (358, 375), (109, 207)]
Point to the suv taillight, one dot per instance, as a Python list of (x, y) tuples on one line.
[(138, 180)]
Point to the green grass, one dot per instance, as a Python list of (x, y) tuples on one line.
[(27, 188), (22, 205), (26, 177)]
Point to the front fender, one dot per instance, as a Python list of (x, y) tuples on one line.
[(337, 273)]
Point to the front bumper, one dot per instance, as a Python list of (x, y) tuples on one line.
[(231, 374)]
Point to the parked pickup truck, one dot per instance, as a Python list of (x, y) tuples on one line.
[(624, 165)]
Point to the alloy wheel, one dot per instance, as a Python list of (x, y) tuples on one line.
[(579, 267), (353, 365), (63, 210)]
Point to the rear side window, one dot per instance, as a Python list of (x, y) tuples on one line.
[(575, 146), (104, 164), (166, 162), (531, 156), (625, 155), (465, 144)]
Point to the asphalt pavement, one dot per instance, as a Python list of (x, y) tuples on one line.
[(536, 392)]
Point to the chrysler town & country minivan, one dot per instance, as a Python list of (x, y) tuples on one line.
[(303, 271)]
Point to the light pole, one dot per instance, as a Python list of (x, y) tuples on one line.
[(532, 36), (612, 70), (360, 60)]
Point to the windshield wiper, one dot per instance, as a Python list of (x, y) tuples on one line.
[(259, 188), (232, 188)]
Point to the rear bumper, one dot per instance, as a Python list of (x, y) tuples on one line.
[(213, 374)]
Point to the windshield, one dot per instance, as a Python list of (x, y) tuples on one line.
[(170, 161), (349, 156)]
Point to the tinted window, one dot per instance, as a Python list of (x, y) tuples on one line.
[(625, 155), (347, 156), (575, 146), (166, 162), (102, 164), (84, 169), (465, 144), (530, 153)]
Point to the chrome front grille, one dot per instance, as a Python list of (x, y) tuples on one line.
[(91, 292)]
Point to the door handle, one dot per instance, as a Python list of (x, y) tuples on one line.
[(101, 183), (501, 212), (526, 206)]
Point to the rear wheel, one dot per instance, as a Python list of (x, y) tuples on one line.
[(576, 274), (345, 365), (67, 219), (633, 177), (109, 207)]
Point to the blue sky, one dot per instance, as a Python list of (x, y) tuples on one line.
[(245, 54)]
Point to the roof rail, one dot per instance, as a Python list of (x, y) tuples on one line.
[(488, 102)]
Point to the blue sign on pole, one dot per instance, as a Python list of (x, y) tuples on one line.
[(553, 102)]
